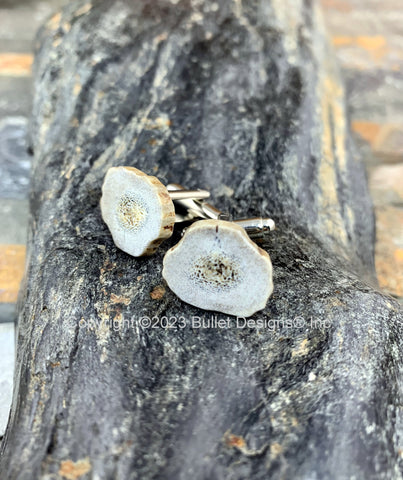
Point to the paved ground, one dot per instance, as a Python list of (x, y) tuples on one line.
[(367, 36), (368, 39)]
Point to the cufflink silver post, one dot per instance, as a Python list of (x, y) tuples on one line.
[(185, 194), (257, 228)]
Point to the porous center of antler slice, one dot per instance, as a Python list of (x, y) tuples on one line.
[(131, 212), (216, 271)]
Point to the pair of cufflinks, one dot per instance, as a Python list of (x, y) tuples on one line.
[(215, 266)]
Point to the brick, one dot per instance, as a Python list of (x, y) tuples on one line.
[(12, 264), (389, 251), (16, 64)]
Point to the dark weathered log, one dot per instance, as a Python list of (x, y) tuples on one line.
[(242, 98)]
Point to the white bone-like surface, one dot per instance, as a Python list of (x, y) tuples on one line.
[(137, 209), (216, 266)]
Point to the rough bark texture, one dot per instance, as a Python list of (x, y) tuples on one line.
[(242, 98)]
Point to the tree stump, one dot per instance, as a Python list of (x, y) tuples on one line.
[(244, 99)]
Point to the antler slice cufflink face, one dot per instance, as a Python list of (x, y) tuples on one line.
[(216, 266), (138, 210)]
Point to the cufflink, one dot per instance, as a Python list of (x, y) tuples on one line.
[(139, 210), (217, 266)]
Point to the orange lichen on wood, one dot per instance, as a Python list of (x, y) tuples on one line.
[(236, 441), (120, 299), (301, 349), (333, 153), (12, 264), (276, 449), (83, 10), (15, 64), (54, 22), (73, 470), (158, 292)]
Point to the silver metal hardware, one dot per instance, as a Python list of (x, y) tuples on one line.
[(195, 208)]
